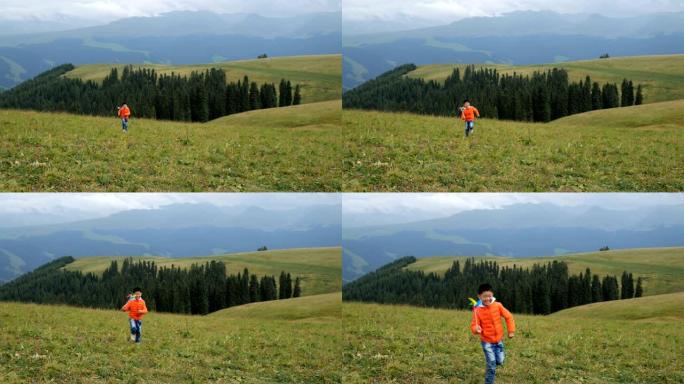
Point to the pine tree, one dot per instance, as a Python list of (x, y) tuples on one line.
[(254, 98), (596, 97), (297, 288), (639, 96), (639, 290), (297, 96)]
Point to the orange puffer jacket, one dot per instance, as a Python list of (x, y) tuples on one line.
[(489, 319), (468, 114), (133, 307)]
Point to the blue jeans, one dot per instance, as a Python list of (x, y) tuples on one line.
[(136, 329), (124, 124), (494, 356), (469, 125)]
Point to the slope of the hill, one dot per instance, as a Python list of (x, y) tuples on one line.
[(45, 343), (386, 343), (662, 75), (666, 308), (639, 148), (276, 150), (318, 75), (319, 268), (662, 269), (326, 307)]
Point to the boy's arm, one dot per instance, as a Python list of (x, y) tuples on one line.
[(477, 113), (475, 324), (144, 308), (125, 307), (510, 323)]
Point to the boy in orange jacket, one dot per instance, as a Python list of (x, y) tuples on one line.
[(136, 309), (468, 113), (124, 113), (487, 323)]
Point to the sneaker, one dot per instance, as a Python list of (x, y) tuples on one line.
[(132, 337)]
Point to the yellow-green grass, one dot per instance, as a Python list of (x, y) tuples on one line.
[(662, 308), (326, 307), (403, 344), (662, 269), (662, 76), (319, 268), (295, 148), (638, 148), (318, 75), (45, 343)]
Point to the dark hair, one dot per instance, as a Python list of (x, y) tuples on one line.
[(466, 101), (136, 289), (484, 288), (123, 103)]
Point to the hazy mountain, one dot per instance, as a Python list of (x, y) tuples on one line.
[(515, 38), (181, 37), (177, 230), (521, 230)]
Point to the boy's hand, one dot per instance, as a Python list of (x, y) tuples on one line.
[(478, 329), (511, 334)]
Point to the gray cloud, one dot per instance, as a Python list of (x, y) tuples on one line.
[(446, 11), (104, 11)]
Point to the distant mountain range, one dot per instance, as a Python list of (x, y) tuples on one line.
[(522, 230), (178, 230), (520, 38), (181, 37)]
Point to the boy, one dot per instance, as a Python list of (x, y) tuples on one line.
[(487, 323), (136, 309), (124, 113), (468, 113)]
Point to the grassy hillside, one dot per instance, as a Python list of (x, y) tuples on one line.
[(402, 344), (662, 76), (319, 268), (319, 75), (286, 149), (665, 308), (638, 148), (326, 307), (662, 269), (44, 343)]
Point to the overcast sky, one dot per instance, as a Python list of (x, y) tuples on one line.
[(105, 11), (379, 208), (104, 204), (446, 11)]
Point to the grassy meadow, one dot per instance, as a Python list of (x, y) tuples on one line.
[(318, 75), (402, 344), (289, 341), (319, 268), (639, 148), (284, 149)]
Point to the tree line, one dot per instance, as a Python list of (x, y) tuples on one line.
[(541, 289), (200, 97), (543, 96), (199, 289)]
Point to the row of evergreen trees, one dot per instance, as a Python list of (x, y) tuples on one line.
[(200, 289), (541, 289), (543, 96), (201, 97)]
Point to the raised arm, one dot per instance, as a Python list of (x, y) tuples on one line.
[(475, 325), (125, 307), (510, 323)]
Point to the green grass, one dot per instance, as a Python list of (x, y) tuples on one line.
[(44, 343), (661, 308), (662, 76), (662, 269), (285, 149), (319, 268), (638, 148), (318, 75), (402, 344)]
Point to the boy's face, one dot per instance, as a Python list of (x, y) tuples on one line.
[(138, 294), (466, 104), (486, 297)]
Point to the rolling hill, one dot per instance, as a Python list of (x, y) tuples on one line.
[(518, 38), (611, 342), (319, 268), (662, 269), (661, 76), (62, 152), (635, 148), (297, 340), (319, 75)]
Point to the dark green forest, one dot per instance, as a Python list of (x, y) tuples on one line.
[(542, 289), (542, 97), (200, 289), (201, 97)]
